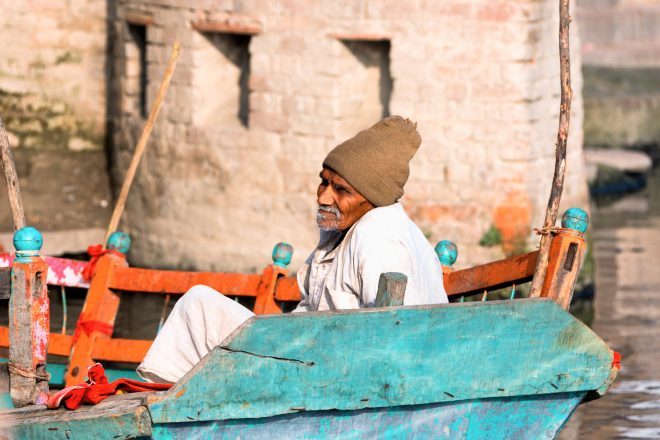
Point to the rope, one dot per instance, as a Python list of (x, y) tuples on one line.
[(64, 311), (546, 231), (29, 374)]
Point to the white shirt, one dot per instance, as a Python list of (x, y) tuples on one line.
[(335, 276), (345, 276)]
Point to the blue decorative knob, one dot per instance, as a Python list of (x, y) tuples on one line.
[(119, 241), (576, 219), (28, 242), (447, 252), (282, 253)]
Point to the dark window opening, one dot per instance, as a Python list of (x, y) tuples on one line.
[(228, 55), (136, 66), (375, 58)]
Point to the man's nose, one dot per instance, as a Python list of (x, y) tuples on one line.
[(324, 196)]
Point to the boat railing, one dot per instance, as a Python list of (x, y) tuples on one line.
[(93, 337), (566, 255)]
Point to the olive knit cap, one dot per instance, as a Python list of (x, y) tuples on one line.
[(375, 161)]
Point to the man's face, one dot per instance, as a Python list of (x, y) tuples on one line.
[(340, 205)]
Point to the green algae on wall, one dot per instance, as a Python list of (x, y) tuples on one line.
[(41, 125)]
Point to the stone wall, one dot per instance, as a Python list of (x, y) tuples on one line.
[(53, 105), (620, 33), (52, 73), (264, 89), (621, 48)]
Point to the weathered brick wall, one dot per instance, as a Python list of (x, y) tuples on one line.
[(481, 78), (620, 33), (53, 60), (52, 73)]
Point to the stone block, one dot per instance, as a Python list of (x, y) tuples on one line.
[(275, 122), (311, 125), (300, 105)]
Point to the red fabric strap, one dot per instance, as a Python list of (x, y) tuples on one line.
[(88, 326), (96, 251)]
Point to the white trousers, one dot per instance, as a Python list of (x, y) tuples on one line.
[(200, 320)]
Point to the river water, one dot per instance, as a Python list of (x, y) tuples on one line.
[(626, 240)]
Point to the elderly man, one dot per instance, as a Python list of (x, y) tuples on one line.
[(364, 233)]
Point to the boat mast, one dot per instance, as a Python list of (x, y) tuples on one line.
[(11, 178), (560, 150)]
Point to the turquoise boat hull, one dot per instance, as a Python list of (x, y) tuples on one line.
[(495, 370)]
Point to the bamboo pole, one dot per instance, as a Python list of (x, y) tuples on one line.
[(11, 178), (142, 142), (560, 151)]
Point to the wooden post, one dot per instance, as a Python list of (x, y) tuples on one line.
[(560, 150), (447, 253), (11, 178), (142, 142), (96, 320), (29, 321), (265, 300), (391, 289), (567, 252)]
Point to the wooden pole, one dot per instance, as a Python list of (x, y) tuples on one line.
[(11, 178), (560, 151), (391, 289), (142, 143)]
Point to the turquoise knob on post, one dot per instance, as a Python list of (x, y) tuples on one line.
[(576, 219), (282, 253), (447, 252), (28, 242), (119, 241)]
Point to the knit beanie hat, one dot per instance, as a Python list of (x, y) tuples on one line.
[(375, 161)]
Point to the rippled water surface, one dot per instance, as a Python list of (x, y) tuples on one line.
[(626, 239)]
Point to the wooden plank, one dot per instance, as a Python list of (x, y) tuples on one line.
[(58, 344), (5, 282), (116, 417), (57, 371), (139, 18), (4, 378), (61, 271), (177, 282), (538, 417), (66, 272), (29, 324), (226, 27), (515, 418), (287, 289), (391, 289), (96, 320), (566, 254), (350, 360), (502, 273), (265, 301), (120, 350)]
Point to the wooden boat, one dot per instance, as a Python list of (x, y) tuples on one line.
[(485, 369)]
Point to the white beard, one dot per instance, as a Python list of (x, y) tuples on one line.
[(321, 221)]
